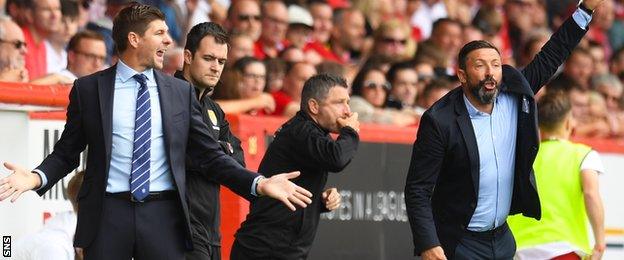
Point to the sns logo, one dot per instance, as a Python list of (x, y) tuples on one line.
[(6, 246)]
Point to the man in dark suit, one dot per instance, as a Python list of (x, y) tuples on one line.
[(133, 202), (205, 55), (472, 160)]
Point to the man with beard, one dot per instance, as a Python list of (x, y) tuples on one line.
[(205, 55), (472, 161)]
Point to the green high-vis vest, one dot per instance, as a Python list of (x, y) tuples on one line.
[(557, 173)]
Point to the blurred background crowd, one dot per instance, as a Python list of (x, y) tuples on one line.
[(399, 56)]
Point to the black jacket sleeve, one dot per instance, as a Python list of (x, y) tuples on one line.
[(425, 165), (208, 158), (228, 140), (66, 154), (553, 54), (321, 150)]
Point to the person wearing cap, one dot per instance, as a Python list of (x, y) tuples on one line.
[(303, 143), (300, 25)]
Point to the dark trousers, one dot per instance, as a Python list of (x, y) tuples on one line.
[(139, 230), (204, 252), (495, 244)]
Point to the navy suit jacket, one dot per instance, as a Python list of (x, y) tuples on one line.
[(89, 125)]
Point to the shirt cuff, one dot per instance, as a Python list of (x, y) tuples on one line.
[(44, 179), (581, 18), (254, 186)]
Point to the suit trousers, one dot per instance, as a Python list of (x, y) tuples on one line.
[(498, 244), (140, 230)]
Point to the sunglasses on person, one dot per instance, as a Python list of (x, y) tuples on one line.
[(249, 17), (390, 40), (16, 43), (370, 85)]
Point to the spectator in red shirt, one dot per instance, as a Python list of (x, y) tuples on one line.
[(274, 26), (42, 19), (323, 24), (347, 35), (287, 100)]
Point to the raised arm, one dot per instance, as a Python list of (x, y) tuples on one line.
[(559, 47)]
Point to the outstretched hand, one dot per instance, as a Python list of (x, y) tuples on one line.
[(279, 187), (19, 181)]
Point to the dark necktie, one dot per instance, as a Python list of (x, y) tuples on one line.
[(140, 176)]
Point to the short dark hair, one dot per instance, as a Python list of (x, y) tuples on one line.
[(317, 87), (471, 46), (30, 4), (133, 18), (199, 31), (395, 68), (243, 62), (436, 25), (552, 109), (86, 34), (436, 84), (70, 9)]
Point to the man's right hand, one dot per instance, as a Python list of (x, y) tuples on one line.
[(281, 188), (435, 253), (350, 121), (18, 182)]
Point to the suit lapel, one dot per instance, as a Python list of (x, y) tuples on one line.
[(166, 107), (106, 90), (465, 126)]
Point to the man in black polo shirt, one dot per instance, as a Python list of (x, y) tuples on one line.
[(271, 231), (204, 57)]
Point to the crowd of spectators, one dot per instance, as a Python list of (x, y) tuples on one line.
[(399, 56)]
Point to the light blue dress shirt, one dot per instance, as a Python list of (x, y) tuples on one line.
[(124, 107), (496, 140)]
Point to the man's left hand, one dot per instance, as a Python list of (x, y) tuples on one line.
[(331, 198)]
